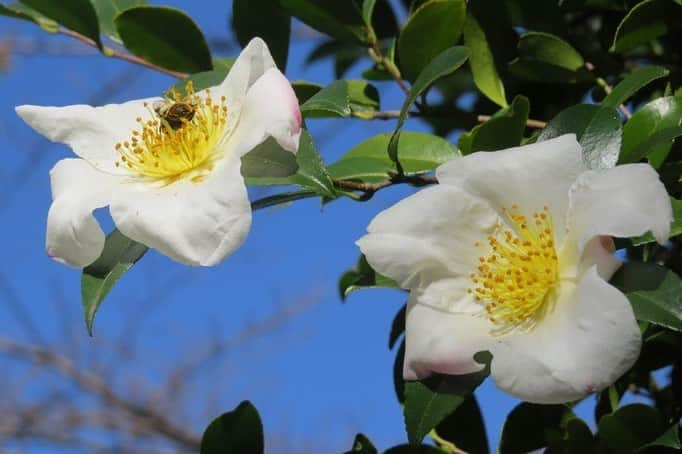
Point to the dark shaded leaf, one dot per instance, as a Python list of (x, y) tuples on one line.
[(362, 445), (268, 160), (662, 306), (312, 173), (19, 11), (630, 427), (505, 129), (482, 62), (361, 277), (670, 439), (532, 426), (675, 227), (465, 428), (76, 15), (646, 21), (397, 327), (119, 255), (433, 27), (430, 401), (265, 19), (107, 10), (632, 83), (237, 431), (164, 36)]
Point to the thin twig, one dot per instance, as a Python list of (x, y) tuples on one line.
[(530, 122), (607, 88), (122, 55), (369, 189), (378, 57)]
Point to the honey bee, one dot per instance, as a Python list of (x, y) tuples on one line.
[(176, 114)]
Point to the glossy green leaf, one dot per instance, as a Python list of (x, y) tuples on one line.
[(430, 401), (531, 427), (630, 428), (362, 97), (547, 58), (369, 162), (76, 15), (237, 431), (445, 63), (662, 306), (267, 160), (482, 62), (465, 428), (435, 26), (333, 99), (312, 173), (305, 90), (598, 129), (20, 11), (362, 445), (361, 277), (107, 10), (653, 142), (675, 226), (632, 83), (505, 129), (646, 21), (659, 114), (265, 19), (119, 255), (164, 36)]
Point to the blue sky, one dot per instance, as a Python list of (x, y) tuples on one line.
[(323, 376)]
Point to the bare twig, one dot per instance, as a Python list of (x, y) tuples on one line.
[(530, 122), (607, 89), (369, 189)]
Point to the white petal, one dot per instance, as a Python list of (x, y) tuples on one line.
[(91, 132), (270, 109), (586, 344), (530, 176), (428, 236), (252, 63), (440, 341), (193, 223), (74, 236), (624, 201)]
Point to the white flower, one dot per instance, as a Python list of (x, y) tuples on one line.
[(511, 254), (168, 168)]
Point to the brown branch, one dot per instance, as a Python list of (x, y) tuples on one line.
[(369, 189), (95, 386), (530, 122), (607, 88), (122, 55), (379, 58)]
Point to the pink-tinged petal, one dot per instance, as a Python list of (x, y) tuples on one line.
[(586, 343), (532, 176), (429, 236), (91, 132), (195, 223), (624, 201), (74, 236), (439, 341)]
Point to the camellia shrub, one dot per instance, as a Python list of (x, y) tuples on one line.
[(541, 249)]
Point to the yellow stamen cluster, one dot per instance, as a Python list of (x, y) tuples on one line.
[(169, 147), (519, 271)]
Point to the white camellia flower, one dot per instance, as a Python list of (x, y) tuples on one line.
[(168, 168), (511, 254)]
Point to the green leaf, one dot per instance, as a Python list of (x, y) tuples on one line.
[(419, 152), (435, 26), (342, 20), (482, 62), (443, 64), (646, 21), (675, 226), (333, 99), (670, 439), (20, 11), (576, 438), (397, 327), (547, 58), (237, 431), (76, 15), (362, 97), (630, 427), (281, 199), (362, 445), (207, 79), (411, 449), (119, 255), (465, 428), (430, 401), (265, 19), (368, 11), (632, 83), (361, 277), (659, 114), (658, 139), (305, 90), (531, 427), (662, 306), (505, 129), (598, 129), (312, 173), (107, 10), (164, 36), (268, 160)]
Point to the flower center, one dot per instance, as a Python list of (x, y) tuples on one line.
[(180, 140), (519, 273)]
